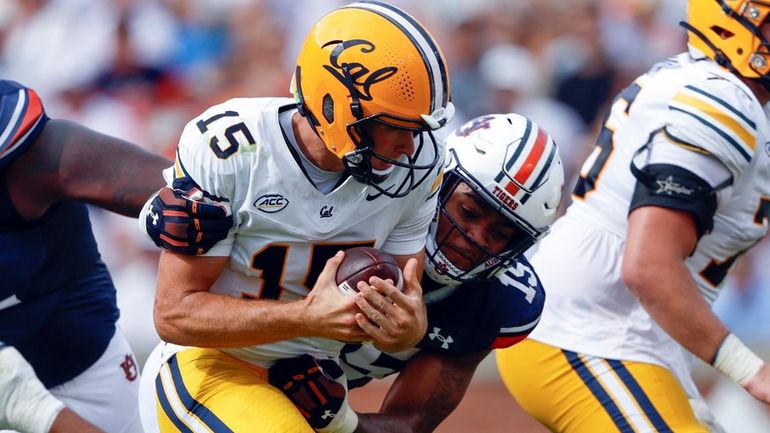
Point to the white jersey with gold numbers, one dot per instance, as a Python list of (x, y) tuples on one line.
[(284, 228), (682, 103)]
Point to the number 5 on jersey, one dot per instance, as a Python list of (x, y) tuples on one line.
[(221, 149), (594, 164)]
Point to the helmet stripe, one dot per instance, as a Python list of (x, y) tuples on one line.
[(522, 144), (526, 169), (543, 171), (424, 44)]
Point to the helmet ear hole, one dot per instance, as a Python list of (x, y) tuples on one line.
[(722, 32), (328, 108)]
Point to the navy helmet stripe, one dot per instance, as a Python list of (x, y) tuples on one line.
[(522, 144), (422, 41), (640, 396), (598, 391), (542, 173)]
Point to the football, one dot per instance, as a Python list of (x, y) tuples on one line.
[(361, 263)]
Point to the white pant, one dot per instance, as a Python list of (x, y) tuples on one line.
[(107, 393), (147, 400)]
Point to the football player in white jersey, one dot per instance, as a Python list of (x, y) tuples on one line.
[(677, 188), (501, 189), (350, 161)]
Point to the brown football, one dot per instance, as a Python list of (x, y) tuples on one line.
[(362, 263)]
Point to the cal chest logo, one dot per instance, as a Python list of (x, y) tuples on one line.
[(271, 203)]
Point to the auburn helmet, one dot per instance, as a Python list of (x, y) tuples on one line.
[(727, 31), (372, 62), (514, 166)]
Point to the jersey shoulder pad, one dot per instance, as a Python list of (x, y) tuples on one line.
[(519, 297), (22, 118), (714, 114), (220, 143)]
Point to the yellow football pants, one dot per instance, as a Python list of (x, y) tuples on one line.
[(570, 392), (208, 391)]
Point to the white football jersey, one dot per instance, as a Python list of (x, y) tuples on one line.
[(284, 228), (589, 310)]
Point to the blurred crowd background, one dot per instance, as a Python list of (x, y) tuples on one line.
[(140, 69)]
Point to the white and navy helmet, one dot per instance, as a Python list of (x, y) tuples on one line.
[(514, 165)]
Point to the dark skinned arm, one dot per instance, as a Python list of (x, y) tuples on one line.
[(68, 422), (424, 394), (70, 161)]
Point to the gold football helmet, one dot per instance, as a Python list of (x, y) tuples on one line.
[(372, 62), (727, 31)]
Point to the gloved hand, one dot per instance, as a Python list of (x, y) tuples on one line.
[(311, 384), (181, 222)]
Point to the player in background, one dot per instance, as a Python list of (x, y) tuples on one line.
[(351, 160), (502, 186), (57, 302), (678, 187)]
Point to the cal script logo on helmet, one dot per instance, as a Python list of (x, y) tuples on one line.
[(360, 76)]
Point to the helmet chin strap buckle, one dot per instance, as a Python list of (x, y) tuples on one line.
[(439, 117), (355, 157)]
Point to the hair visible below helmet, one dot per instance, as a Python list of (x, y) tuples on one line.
[(727, 31), (514, 166), (372, 62)]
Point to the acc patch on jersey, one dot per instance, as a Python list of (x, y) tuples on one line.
[(21, 119)]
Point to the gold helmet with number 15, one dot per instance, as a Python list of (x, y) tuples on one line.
[(371, 62), (727, 31)]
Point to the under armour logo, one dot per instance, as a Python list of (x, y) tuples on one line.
[(153, 215), (444, 340), (327, 414), (129, 368), (326, 211)]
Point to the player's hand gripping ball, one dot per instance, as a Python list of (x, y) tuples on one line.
[(362, 263)]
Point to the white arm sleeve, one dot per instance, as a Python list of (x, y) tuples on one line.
[(25, 404)]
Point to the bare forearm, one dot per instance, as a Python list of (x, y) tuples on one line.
[(674, 302), (659, 241), (205, 319), (68, 422), (377, 422), (424, 394)]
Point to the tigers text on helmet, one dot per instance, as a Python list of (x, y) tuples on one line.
[(514, 166), (371, 62), (727, 31)]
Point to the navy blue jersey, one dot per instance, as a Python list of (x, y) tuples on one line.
[(462, 320), (57, 300)]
